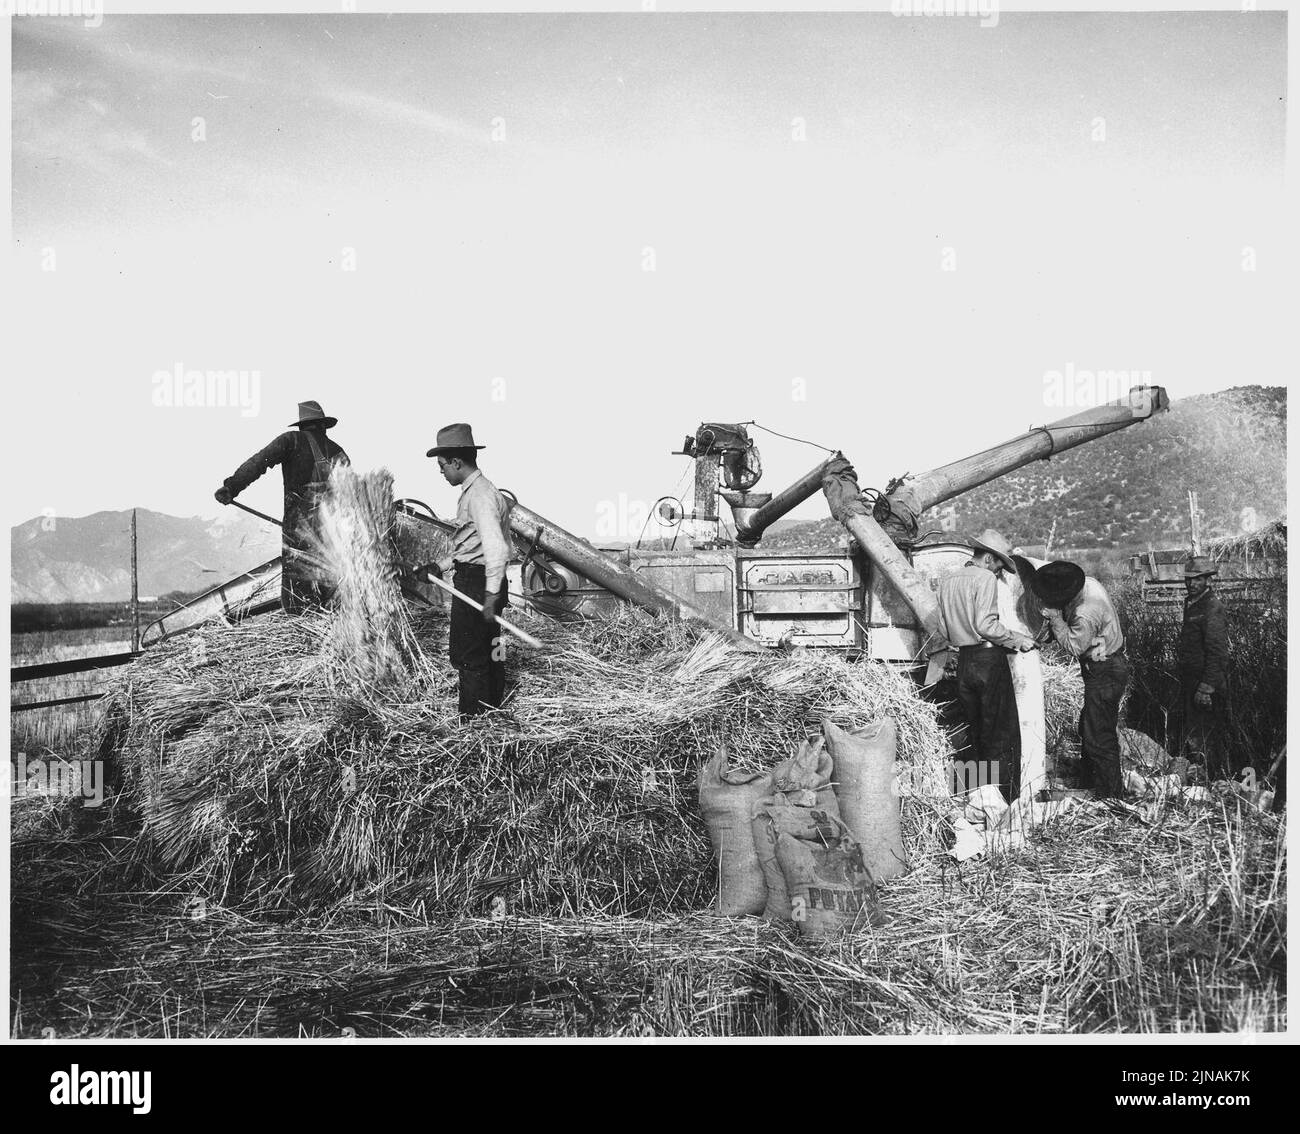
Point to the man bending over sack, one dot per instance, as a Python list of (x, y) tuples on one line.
[(1083, 621)]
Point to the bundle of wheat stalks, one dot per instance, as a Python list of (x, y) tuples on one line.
[(370, 644)]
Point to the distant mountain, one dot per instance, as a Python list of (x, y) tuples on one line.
[(1129, 489), (88, 558)]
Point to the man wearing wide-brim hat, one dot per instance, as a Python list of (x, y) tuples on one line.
[(1082, 620), (1202, 667), (969, 622), (305, 456), (481, 548)]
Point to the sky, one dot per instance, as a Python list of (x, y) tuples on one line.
[(585, 235)]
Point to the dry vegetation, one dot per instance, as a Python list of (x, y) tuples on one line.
[(545, 871), (291, 851)]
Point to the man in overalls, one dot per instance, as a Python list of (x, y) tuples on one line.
[(305, 457)]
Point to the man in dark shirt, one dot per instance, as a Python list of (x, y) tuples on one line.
[(1202, 668), (1083, 621), (305, 458)]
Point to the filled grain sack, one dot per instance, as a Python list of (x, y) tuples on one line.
[(805, 777), (831, 890), (727, 801), (778, 815), (863, 775)]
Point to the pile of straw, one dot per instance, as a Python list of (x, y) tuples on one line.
[(298, 761), (1172, 920), (246, 764)]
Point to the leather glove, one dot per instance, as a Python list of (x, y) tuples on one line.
[(223, 495), (1204, 696), (490, 609)]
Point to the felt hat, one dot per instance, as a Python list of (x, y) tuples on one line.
[(1057, 583), (310, 413), (457, 436), (1198, 566), (998, 544)]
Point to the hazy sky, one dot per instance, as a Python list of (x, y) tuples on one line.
[(1097, 181)]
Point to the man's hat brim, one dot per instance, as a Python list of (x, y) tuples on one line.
[(1058, 583), (323, 422), (439, 449), (1024, 568), (1008, 560)]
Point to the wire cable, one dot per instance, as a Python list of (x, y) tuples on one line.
[(787, 437)]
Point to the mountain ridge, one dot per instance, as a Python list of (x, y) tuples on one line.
[(1128, 489), (88, 558)]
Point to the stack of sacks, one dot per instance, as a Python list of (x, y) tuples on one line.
[(824, 829)]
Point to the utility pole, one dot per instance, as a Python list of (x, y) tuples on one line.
[(1196, 522), (135, 591)]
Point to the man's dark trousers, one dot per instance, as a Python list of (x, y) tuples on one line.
[(474, 647), (1203, 729), (1103, 688), (989, 700)]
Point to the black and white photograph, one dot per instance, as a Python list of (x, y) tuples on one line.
[(652, 523)]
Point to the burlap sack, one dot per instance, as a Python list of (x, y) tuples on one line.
[(727, 801), (775, 816), (805, 777), (831, 890), (863, 774)]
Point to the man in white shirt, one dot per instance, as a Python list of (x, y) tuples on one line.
[(481, 549), (969, 623)]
